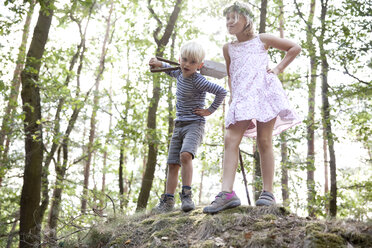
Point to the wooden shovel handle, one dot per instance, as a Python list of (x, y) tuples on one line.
[(167, 61), (165, 69)]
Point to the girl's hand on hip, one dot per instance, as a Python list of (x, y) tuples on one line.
[(202, 112), (275, 71)]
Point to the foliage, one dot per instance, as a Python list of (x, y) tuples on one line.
[(125, 95)]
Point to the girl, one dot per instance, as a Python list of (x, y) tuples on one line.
[(258, 104)]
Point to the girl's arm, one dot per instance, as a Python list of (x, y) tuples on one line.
[(291, 49), (228, 61)]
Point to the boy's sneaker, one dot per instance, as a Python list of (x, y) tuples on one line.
[(186, 200), (223, 200), (166, 204), (266, 199)]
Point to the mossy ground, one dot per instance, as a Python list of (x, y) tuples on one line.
[(239, 227)]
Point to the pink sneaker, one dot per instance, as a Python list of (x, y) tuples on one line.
[(223, 200)]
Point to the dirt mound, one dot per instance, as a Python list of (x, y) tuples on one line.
[(239, 227)]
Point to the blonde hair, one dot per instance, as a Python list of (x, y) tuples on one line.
[(244, 10), (194, 51)]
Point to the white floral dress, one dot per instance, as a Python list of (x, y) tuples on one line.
[(256, 94)]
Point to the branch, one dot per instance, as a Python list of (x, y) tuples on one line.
[(160, 24), (359, 80)]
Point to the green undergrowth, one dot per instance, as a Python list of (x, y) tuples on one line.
[(239, 227)]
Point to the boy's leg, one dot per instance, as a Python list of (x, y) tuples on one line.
[(172, 178), (187, 169), (193, 136), (265, 147), (166, 202)]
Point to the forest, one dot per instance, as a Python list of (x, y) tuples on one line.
[(85, 126)]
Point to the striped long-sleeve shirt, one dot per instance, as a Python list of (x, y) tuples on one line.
[(191, 94)]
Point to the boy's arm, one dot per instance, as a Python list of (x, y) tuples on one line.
[(154, 62), (174, 73), (204, 85)]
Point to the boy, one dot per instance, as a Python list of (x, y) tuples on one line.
[(189, 124)]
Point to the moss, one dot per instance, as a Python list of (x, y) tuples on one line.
[(324, 240), (204, 244), (166, 232), (314, 227), (98, 237), (357, 238), (337, 230), (269, 217), (161, 224), (147, 221), (260, 225), (183, 221)]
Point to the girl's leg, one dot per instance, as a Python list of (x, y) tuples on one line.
[(265, 147), (233, 137), (172, 180)]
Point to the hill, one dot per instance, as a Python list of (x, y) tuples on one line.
[(240, 227)]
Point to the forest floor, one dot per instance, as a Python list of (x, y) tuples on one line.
[(244, 226)]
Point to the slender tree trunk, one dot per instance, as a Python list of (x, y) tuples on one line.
[(6, 127), (263, 11), (325, 162), (257, 177), (170, 98), (13, 232), (311, 113), (152, 111), (108, 141), (201, 185), (326, 111), (29, 233), (283, 136), (92, 131), (121, 179)]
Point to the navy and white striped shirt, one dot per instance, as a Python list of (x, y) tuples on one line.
[(191, 94)]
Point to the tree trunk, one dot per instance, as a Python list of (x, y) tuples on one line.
[(6, 127), (170, 98), (310, 160), (151, 117), (29, 233), (108, 142), (257, 177), (94, 111), (326, 111), (325, 162), (283, 136), (263, 13)]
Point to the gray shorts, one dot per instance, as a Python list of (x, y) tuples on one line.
[(187, 137)]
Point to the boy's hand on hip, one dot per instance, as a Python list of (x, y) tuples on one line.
[(202, 112)]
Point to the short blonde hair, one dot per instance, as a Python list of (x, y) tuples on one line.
[(194, 51), (244, 10)]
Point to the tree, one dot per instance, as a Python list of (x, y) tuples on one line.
[(30, 221), (95, 108), (326, 115), (6, 127), (161, 43)]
